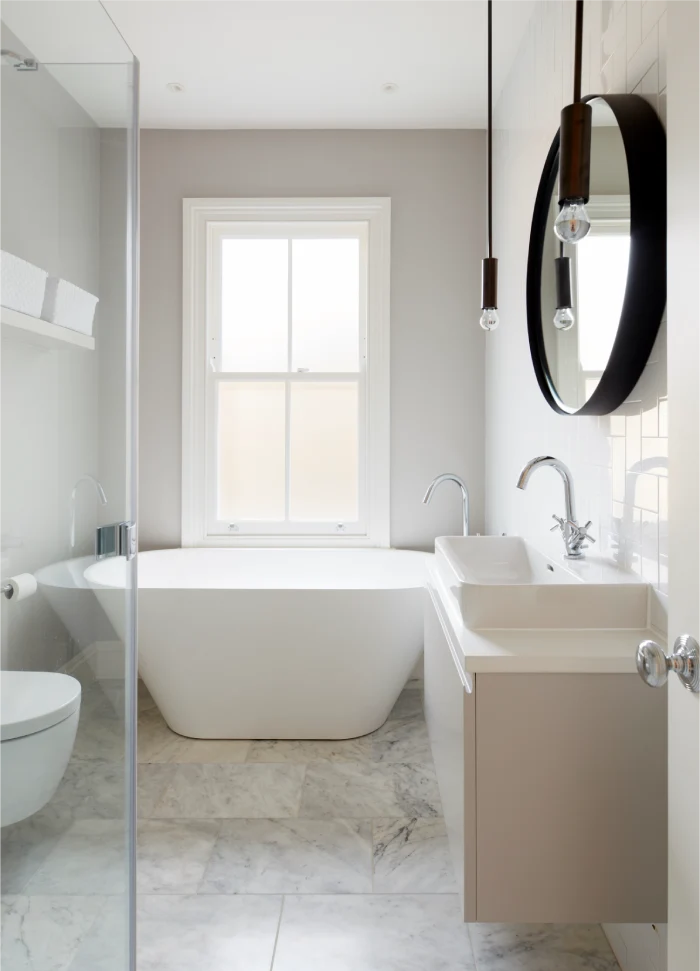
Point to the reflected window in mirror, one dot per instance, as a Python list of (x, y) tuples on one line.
[(600, 269)]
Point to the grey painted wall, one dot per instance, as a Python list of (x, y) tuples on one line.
[(436, 183)]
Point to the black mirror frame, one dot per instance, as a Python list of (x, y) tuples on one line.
[(644, 302)]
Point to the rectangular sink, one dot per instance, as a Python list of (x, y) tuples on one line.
[(503, 582)]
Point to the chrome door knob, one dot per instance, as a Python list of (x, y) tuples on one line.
[(654, 665)]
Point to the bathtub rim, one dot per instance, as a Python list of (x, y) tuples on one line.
[(418, 581)]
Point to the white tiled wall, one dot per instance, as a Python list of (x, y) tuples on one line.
[(619, 462)]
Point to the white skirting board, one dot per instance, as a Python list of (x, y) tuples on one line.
[(638, 947)]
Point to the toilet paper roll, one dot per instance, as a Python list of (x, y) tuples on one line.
[(23, 586)]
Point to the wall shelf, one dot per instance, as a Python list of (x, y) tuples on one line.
[(32, 330)]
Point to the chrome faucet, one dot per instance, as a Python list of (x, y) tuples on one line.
[(100, 495), (574, 535), (449, 477)]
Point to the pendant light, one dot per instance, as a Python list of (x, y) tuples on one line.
[(572, 223), (564, 317), (489, 266)]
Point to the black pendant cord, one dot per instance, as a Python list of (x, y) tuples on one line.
[(578, 50), (575, 134), (489, 136), (489, 266)]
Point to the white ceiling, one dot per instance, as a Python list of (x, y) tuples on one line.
[(317, 63)]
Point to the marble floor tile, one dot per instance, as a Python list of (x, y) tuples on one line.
[(412, 856), (401, 740), (104, 947), (91, 789), (310, 750), (415, 681), (44, 933), (373, 933), (360, 790), (90, 858), (110, 692), (101, 735), (157, 743), (218, 751), (291, 856), (145, 698), (173, 854), (232, 791), (25, 846), (153, 778), (207, 932), (541, 947), (410, 702)]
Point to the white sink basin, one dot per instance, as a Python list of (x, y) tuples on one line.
[(503, 582)]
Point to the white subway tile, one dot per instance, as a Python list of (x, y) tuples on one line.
[(645, 492), (655, 450), (643, 59), (652, 12), (650, 420), (634, 26), (663, 47), (634, 440)]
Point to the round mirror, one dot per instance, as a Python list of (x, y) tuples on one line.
[(594, 307)]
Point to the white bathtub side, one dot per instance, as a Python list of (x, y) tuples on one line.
[(278, 664), (273, 643)]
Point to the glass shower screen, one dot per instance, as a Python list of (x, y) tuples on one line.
[(68, 678)]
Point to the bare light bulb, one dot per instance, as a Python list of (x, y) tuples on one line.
[(489, 318), (572, 223), (564, 318)]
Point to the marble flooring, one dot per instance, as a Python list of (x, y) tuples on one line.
[(257, 856)]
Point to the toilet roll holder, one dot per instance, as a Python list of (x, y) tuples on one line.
[(11, 591)]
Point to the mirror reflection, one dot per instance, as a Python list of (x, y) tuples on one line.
[(583, 284)]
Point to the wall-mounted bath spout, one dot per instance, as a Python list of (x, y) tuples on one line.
[(100, 495), (450, 477)]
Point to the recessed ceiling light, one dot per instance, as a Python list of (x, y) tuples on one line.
[(389, 87), (175, 87)]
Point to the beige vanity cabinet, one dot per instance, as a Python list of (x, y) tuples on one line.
[(553, 786)]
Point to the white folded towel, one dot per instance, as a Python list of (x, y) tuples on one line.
[(22, 285), (69, 306)]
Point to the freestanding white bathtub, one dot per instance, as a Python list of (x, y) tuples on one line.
[(258, 643)]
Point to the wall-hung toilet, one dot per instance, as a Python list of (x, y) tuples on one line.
[(38, 719)]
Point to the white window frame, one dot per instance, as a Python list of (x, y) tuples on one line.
[(203, 221)]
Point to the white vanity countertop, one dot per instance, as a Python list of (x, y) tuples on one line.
[(558, 651)]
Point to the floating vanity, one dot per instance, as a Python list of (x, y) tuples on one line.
[(549, 749)]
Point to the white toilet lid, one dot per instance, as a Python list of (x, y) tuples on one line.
[(35, 700)]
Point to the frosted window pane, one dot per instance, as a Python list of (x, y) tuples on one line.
[(324, 452), (254, 304), (325, 304), (601, 264), (251, 451)]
